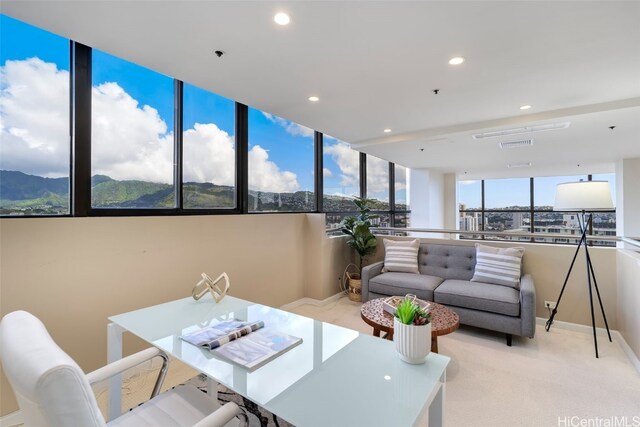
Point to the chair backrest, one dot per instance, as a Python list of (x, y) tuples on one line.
[(50, 387)]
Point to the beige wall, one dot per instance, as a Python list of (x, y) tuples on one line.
[(628, 317), (548, 264), (74, 272)]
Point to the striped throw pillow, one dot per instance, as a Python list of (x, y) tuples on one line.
[(401, 256), (499, 266)]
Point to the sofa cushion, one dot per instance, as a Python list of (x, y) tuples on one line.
[(401, 256), (447, 261), (394, 283), (479, 296), (500, 266)]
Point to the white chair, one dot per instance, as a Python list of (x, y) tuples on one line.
[(52, 390)]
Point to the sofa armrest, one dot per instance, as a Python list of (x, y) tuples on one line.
[(368, 273), (528, 306)]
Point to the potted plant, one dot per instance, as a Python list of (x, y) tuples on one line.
[(412, 331), (362, 240)]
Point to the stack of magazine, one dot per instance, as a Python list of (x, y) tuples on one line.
[(246, 343)]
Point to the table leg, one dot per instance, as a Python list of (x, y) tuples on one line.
[(434, 344), (376, 332), (114, 352)]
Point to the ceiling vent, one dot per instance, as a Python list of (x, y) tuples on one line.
[(516, 144), (519, 165), (526, 129)]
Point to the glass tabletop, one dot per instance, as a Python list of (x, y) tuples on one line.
[(337, 376)]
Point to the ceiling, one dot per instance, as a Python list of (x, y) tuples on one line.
[(375, 64)]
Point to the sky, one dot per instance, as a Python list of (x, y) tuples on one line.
[(500, 193), (132, 125)]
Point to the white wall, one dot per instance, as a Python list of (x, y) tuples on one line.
[(427, 195), (628, 197)]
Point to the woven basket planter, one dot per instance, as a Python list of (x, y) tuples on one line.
[(354, 287)]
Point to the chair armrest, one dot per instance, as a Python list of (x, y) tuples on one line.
[(528, 306), (222, 416), (368, 273), (129, 362)]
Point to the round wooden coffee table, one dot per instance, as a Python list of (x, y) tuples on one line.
[(443, 320)]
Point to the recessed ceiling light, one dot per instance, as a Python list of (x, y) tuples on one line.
[(282, 18), (525, 107), (314, 99), (457, 60), (387, 130)]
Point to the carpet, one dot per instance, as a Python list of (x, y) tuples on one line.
[(258, 416)]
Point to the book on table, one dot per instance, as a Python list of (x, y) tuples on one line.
[(246, 343), (256, 349), (221, 333)]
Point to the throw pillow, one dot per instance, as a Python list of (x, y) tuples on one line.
[(499, 266), (401, 256)]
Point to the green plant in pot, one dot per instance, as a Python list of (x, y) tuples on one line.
[(409, 312), (362, 240), (412, 332)]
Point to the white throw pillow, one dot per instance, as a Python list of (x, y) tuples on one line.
[(499, 266), (401, 256)]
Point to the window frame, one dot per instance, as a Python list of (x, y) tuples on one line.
[(531, 211)]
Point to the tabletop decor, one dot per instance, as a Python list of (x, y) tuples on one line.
[(206, 284), (412, 332)]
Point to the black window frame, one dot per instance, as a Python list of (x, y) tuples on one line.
[(532, 211)]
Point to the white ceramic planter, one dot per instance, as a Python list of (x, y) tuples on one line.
[(413, 343)]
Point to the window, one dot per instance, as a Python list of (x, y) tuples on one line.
[(509, 208), (132, 151), (281, 165), (209, 162), (378, 182), (341, 177), (34, 109), (402, 216)]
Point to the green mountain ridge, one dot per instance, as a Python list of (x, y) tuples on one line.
[(23, 194)]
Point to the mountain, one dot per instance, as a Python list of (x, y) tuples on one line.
[(22, 194), (16, 185)]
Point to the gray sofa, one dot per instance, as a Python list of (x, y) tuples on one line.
[(445, 274)]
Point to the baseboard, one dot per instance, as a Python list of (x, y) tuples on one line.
[(11, 419), (601, 332), (312, 301)]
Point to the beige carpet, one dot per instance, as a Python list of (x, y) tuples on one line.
[(553, 379)]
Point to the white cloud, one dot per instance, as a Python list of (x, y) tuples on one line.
[(378, 177), (34, 118), (327, 173), (207, 141), (348, 161), (265, 175), (291, 127), (129, 141)]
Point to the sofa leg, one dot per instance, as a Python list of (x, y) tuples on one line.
[(509, 337)]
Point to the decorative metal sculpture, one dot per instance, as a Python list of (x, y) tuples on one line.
[(208, 285)]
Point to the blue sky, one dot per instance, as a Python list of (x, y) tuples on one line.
[(515, 192)]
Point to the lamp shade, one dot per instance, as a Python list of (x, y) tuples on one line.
[(583, 196)]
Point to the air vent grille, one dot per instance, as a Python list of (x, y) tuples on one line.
[(516, 144), (525, 129)]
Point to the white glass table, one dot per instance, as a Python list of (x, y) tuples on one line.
[(336, 377)]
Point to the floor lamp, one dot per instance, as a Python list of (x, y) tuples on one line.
[(581, 197)]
